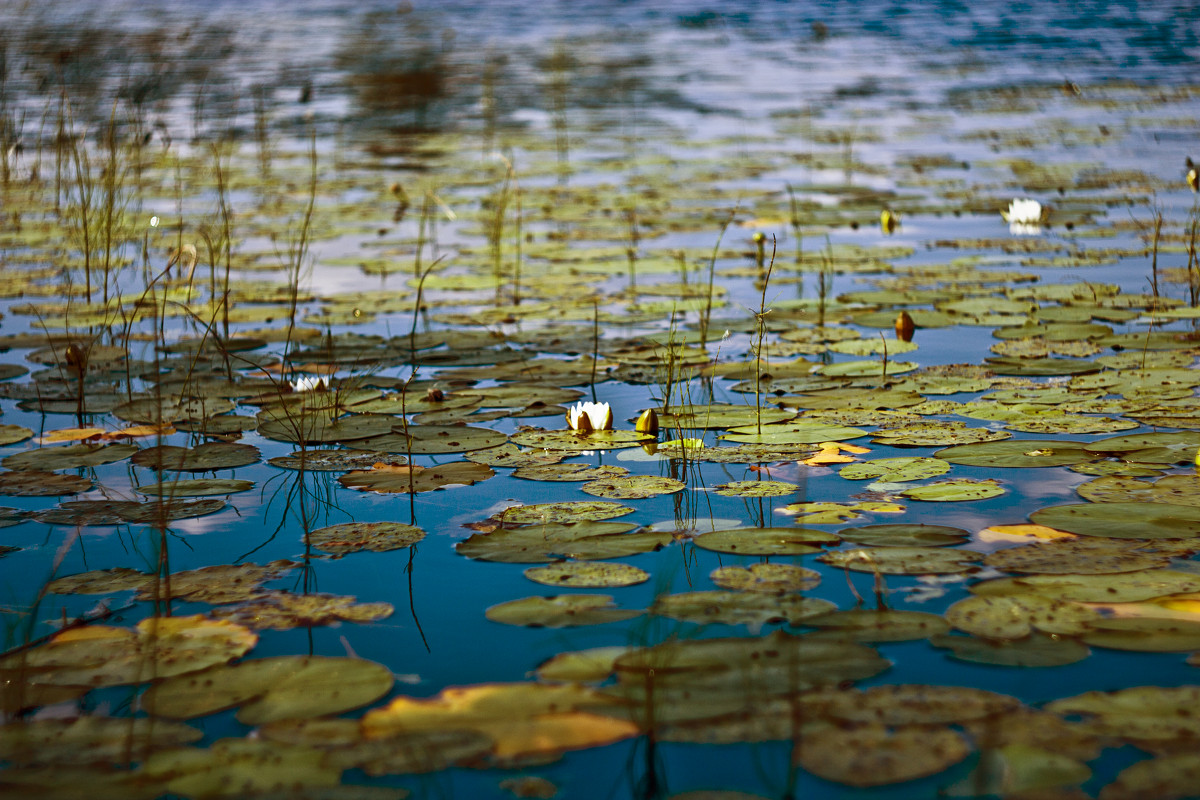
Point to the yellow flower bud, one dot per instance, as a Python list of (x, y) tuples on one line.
[(647, 422)]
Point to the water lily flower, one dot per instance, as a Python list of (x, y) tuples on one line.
[(1024, 216), (1193, 176), (588, 417), (889, 221), (310, 384)]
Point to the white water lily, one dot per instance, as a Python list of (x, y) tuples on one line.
[(308, 383), (1024, 216), (588, 417)]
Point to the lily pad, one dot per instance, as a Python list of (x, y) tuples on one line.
[(569, 472), (896, 470), (388, 478), (765, 541), (72, 456), (1123, 520), (267, 689), (570, 511), (879, 625), (587, 575), (559, 611), (756, 489), (197, 487), (767, 578), (202, 458), (36, 483), (352, 537), (1018, 453), (904, 560), (874, 755), (956, 490), (739, 608), (904, 535), (579, 540), (1035, 650), (633, 487), (427, 439)]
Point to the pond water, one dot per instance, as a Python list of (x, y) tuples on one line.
[(465, 219)]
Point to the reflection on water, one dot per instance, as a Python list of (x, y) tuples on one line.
[(437, 203)]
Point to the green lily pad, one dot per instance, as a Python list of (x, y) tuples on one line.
[(587, 575), (158, 647), (866, 369), (896, 470), (352, 537), (1035, 650), (1018, 453), (717, 415), (89, 740), (956, 490), (904, 535), (267, 689), (318, 427), (198, 487), (881, 625), (634, 487), (1124, 587), (332, 460), (569, 472), (792, 433), (36, 483), (427, 439), (1151, 448), (936, 434), (904, 560), (576, 440), (559, 611), (1183, 490), (826, 513), (756, 489), (1083, 556), (768, 578), (410, 479), (874, 755), (202, 458), (1016, 616), (1123, 520), (739, 608), (570, 511), (765, 541), (1145, 634), (84, 454), (550, 542)]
